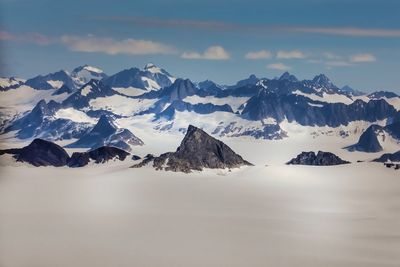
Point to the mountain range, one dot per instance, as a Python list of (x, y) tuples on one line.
[(90, 108)]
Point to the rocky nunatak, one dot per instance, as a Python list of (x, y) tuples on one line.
[(44, 153), (197, 150), (319, 159)]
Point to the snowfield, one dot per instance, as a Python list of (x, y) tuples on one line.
[(275, 215), (112, 215)]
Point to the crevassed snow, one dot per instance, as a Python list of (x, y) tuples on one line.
[(55, 84), (328, 98), (74, 115), (234, 102), (121, 105)]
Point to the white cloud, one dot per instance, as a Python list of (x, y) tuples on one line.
[(359, 58), (211, 53), (112, 47), (262, 54), (278, 66), (294, 54)]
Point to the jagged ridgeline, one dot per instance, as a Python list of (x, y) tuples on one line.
[(93, 109)]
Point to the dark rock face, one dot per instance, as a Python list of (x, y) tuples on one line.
[(41, 82), (200, 108), (394, 157), (41, 153), (297, 108), (319, 159), (368, 141), (349, 90), (63, 89), (98, 155), (380, 94), (45, 153), (93, 89), (199, 150), (106, 133)]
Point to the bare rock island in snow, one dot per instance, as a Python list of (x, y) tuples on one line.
[(197, 150), (319, 159), (44, 153)]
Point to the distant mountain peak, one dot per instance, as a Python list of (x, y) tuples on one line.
[(87, 68), (150, 65), (287, 76)]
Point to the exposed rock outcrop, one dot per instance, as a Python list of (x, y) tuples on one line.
[(199, 150), (319, 159), (40, 153)]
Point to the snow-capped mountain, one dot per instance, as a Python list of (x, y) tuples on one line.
[(84, 74), (149, 78), (150, 99), (78, 77)]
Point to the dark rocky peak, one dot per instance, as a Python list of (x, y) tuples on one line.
[(98, 155), (288, 77), (105, 126), (41, 153), (199, 150), (319, 159), (251, 80), (44, 109), (382, 94), (368, 141), (348, 90), (180, 89), (106, 133), (389, 157)]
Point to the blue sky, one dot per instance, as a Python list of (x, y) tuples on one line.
[(355, 42)]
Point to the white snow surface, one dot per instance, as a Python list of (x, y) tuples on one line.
[(274, 215), (328, 98), (121, 105), (129, 91), (74, 115), (55, 83)]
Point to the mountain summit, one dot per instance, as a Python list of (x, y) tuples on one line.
[(199, 150)]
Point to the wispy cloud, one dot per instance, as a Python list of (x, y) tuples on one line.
[(31, 37), (257, 29), (111, 46), (294, 54), (211, 53), (360, 58), (278, 66), (92, 44), (262, 54)]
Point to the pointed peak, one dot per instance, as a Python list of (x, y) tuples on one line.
[(105, 123), (287, 76), (321, 78), (87, 68)]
